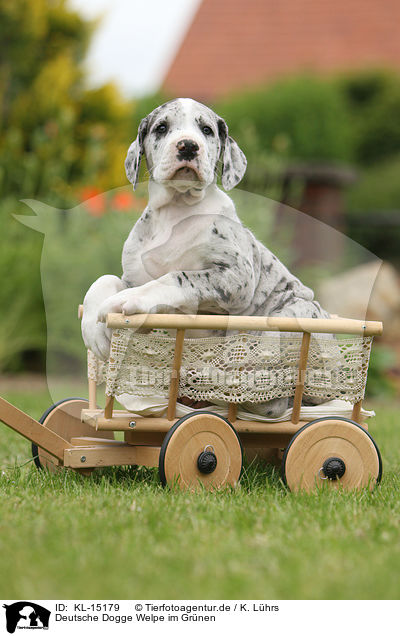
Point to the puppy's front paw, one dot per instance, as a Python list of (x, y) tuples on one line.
[(113, 305), (129, 301), (141, 301), (97, 338)]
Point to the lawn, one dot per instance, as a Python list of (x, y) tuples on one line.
[(119, 535)]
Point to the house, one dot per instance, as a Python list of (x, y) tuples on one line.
[(233, 44)]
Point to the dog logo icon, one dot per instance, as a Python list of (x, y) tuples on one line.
[(26, 615)]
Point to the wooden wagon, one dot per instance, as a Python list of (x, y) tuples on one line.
[(256, 360)]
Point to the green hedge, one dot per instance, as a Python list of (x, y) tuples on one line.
[(373, 102), (350, 117), (303, 117), (78, 246)]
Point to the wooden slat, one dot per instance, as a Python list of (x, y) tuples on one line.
[(92, 393), (356, 413), (147, 456), (139, 438), (110, 455), (232, 412), (266, 440), (251, 323), (108, 410), (121, 419), (147, 426), (96, 441), (270, 428), (33, 430), (305, 345), (176, 367)]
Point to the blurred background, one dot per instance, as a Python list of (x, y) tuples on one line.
[(311, 92)]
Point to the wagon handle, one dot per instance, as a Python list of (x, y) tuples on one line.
[(251, 323)]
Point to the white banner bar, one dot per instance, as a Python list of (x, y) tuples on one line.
[(308, 618)]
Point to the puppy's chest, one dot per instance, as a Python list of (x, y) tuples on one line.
[(168, 253), (158, 251)]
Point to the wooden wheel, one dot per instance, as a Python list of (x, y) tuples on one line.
[(201, 450), (64, 418), (332, 451)]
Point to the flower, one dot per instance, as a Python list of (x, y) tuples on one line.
[(123, 201), (93, 200)]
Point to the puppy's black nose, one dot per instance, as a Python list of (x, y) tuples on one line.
[(187, 149)]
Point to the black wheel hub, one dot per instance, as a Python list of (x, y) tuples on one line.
[(334, 468), (207, 462)]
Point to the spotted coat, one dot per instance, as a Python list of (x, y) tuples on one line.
[(189, 251)]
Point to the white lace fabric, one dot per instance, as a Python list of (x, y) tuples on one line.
[(235, 368)]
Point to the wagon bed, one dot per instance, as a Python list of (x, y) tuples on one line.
[(204, 448)]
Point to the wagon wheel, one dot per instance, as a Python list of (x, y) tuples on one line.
[(64, 418), (201, 450), (332, 451)]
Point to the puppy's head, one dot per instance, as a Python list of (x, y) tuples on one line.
[(183, 142)]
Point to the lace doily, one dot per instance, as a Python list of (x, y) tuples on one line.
[(236, 368)]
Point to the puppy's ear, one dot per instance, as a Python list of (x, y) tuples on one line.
[(135, 152), (234, 162)]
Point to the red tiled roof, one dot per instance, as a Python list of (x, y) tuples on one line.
[(236, 43)]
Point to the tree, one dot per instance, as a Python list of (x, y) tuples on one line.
[(55, 137)]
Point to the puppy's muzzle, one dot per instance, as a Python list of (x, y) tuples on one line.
[(187, 149)]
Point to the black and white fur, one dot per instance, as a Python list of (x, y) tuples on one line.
[(189, 251)]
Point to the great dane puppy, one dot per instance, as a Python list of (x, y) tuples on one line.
[(189, 251)]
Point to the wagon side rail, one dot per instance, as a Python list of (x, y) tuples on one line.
[(306, 326), (33, 430), (253, 323)]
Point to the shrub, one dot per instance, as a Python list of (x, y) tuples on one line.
[(373, 101), (22, 321), (55, 137), (79, 245), (303, 117), (373, 209), (379, 384)]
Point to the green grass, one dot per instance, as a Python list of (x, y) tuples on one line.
[(118, 534)]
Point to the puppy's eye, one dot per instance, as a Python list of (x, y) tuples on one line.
[(207, 130), (161, 128)]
